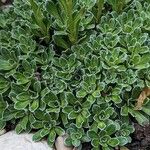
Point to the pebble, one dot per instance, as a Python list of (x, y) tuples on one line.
[(13, 141), (59, 144)]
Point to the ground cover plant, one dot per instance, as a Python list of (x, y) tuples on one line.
[(75, 67)]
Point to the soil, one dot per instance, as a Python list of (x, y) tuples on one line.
[(9, 126), (86, 146), (140, 138)]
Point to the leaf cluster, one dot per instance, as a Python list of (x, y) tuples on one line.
[(75, 67)]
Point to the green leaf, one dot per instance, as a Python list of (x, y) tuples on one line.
[(71, 98), (59, 41), (49, 97), (76, 142), (72, 115), (3, 106), (21, 105), (96, 93), (59, 131), (124, 111), (24, 96), (2, 125), (63, 99), (111, 129), (39, 18), (81, 93), (95, 143), (122, 140), (101, 125), (142, 120), (34, 106), (79, 121), (44, 132), (37, 136), (37, 86), (146, 110), (113, 142), (116, 99), (21, 79), (52, 9), (68, 142), (85, 113), (18, 129), (23, 122), (5, 65), (26, 65), (37, 124), (4, 84), (92, 134), (52, 135)]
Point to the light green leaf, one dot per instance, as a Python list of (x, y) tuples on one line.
[(79, 121), (37, 136), (37, 86), (5, 65), (85, 113), (76, 142), (95, 143), (44, 132), (113, 142), (18, 129), (81, 93), (59, 131), (23, 122), (72, 115), (59, 41), (2, 125), (111, 129), (122, 140), (21, 79), (52, 135), (21, 105), (34, 105)]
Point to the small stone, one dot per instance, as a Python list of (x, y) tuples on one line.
[(3, 1), (13, 141), (59, 144), (2, 132)]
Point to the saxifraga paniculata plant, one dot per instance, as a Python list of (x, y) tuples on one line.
[(75, 67)]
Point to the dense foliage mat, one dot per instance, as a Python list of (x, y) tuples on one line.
[(75, 67)]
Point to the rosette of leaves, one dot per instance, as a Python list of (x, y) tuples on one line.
[(104, 138), (90, 86), (65, 66), (118, 5), (109, 25), (92, 64), (77, 109), (130, 21), (47, 126), (138, 49), (115, 60), (75, 136), (102, 113), (143, 9)]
